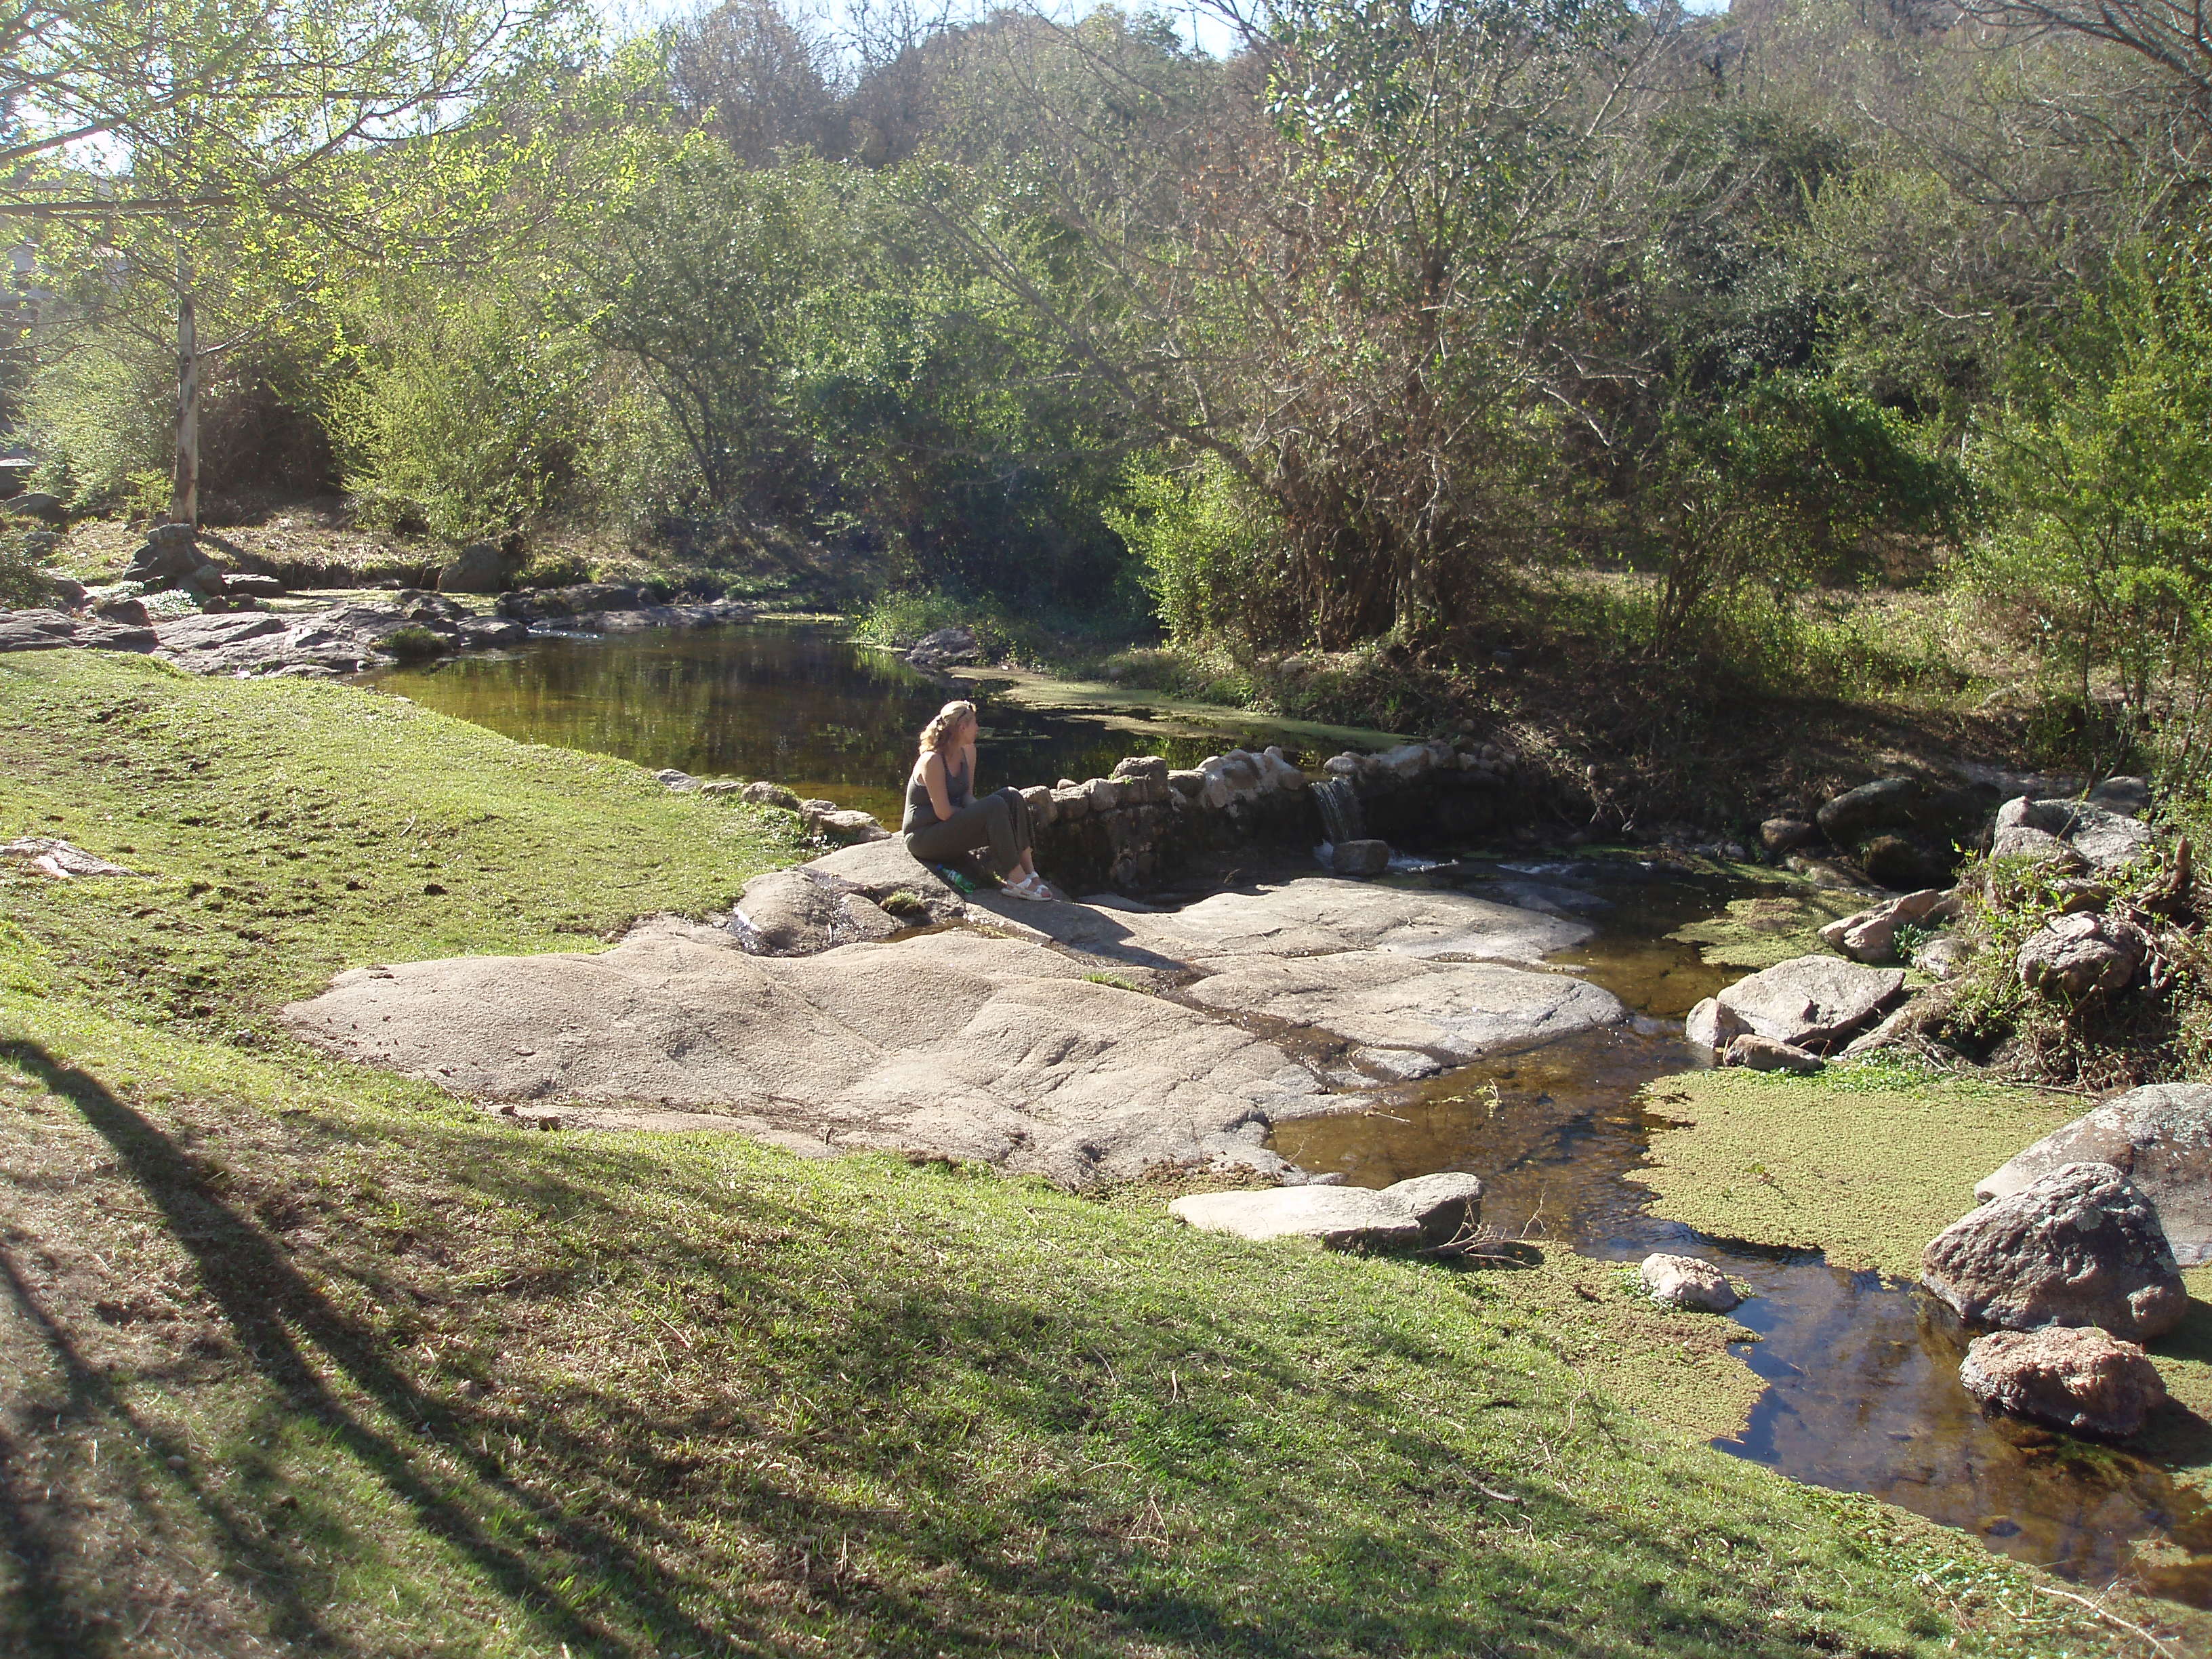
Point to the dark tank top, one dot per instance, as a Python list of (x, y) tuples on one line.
[(919, 814)]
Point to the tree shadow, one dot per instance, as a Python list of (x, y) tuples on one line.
[(274, 1312)]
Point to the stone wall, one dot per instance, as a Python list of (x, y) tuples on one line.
[(1136, 828)]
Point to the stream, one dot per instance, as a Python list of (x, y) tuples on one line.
[(1862, 1394)]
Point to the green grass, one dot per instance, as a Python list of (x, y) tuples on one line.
[(297, 1354)]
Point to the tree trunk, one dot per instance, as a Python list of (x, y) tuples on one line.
[(184, 495)]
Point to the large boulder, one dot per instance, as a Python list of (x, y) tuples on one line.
[(1434, 1213), (479, 568), (1885, 803), (2158, 1137), (2078, 1246), (2075, 1377), (2102, 840), (1813, 1003), (2075, 956), (37, 504)]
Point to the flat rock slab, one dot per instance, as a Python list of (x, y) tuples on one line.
[(1429, 1212), (1313, 917), (953, 1043), (2159, 1138), (1456, 1011)]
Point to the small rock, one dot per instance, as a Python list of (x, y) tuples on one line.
[(132, 613), (2079, 956), (1360, 858), (1871, 935), (1760, 1053), (1711, 1026), (247, 585), (1150, 767), (674, 778), (60, 860), (1428, 1211), (1397, 1064), (1786, 835), (2075, 1377), (760, 792), (1683, 1282), (845, 826), (1943, 957), (2078, 1246)]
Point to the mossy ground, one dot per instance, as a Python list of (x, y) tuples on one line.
[(1867, 1163), (1759, 931), (295, 1355)]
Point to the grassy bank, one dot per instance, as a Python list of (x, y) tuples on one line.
[(305, 1356), (1867, 1163)]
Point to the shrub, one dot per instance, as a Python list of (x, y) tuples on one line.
[(414, 644)]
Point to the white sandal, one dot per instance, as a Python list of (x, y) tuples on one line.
[(1029, 887)]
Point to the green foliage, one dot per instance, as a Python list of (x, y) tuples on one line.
[(2102, 563), (467, 419), (101, 418), (23, 574), (1212, 553)]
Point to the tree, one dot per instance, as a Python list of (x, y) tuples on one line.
[(235, 146)]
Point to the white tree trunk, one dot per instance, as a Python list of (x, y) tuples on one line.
[(184, 495)]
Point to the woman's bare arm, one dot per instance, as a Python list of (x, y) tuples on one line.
[(932, 779)]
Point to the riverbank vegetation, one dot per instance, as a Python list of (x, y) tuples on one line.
[(1391, 365), (314, 1357)]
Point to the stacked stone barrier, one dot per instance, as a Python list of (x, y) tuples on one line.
[(1139, 826)]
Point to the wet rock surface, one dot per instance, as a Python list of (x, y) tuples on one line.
[(1434, 1212), (2078, 1246), (2158, 1137), (2074, 1378)]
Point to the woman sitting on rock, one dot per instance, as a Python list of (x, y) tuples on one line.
[(945, 820)]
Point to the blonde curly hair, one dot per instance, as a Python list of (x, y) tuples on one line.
[(946, 721)]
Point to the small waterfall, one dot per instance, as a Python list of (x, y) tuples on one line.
[(1339, 809)]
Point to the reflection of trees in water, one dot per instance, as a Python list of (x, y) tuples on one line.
[(801, 707)]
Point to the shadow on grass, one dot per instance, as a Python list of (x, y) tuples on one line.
[(635, 1535)]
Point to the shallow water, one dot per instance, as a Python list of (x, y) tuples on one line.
[(797, 703), (1862, 1391)]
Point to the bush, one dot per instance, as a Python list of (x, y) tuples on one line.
[(414, 644), (23, 582), (1210, 552)]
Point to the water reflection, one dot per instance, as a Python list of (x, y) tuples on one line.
[(795, 702)]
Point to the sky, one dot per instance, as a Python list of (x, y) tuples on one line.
[(1201, 28)]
